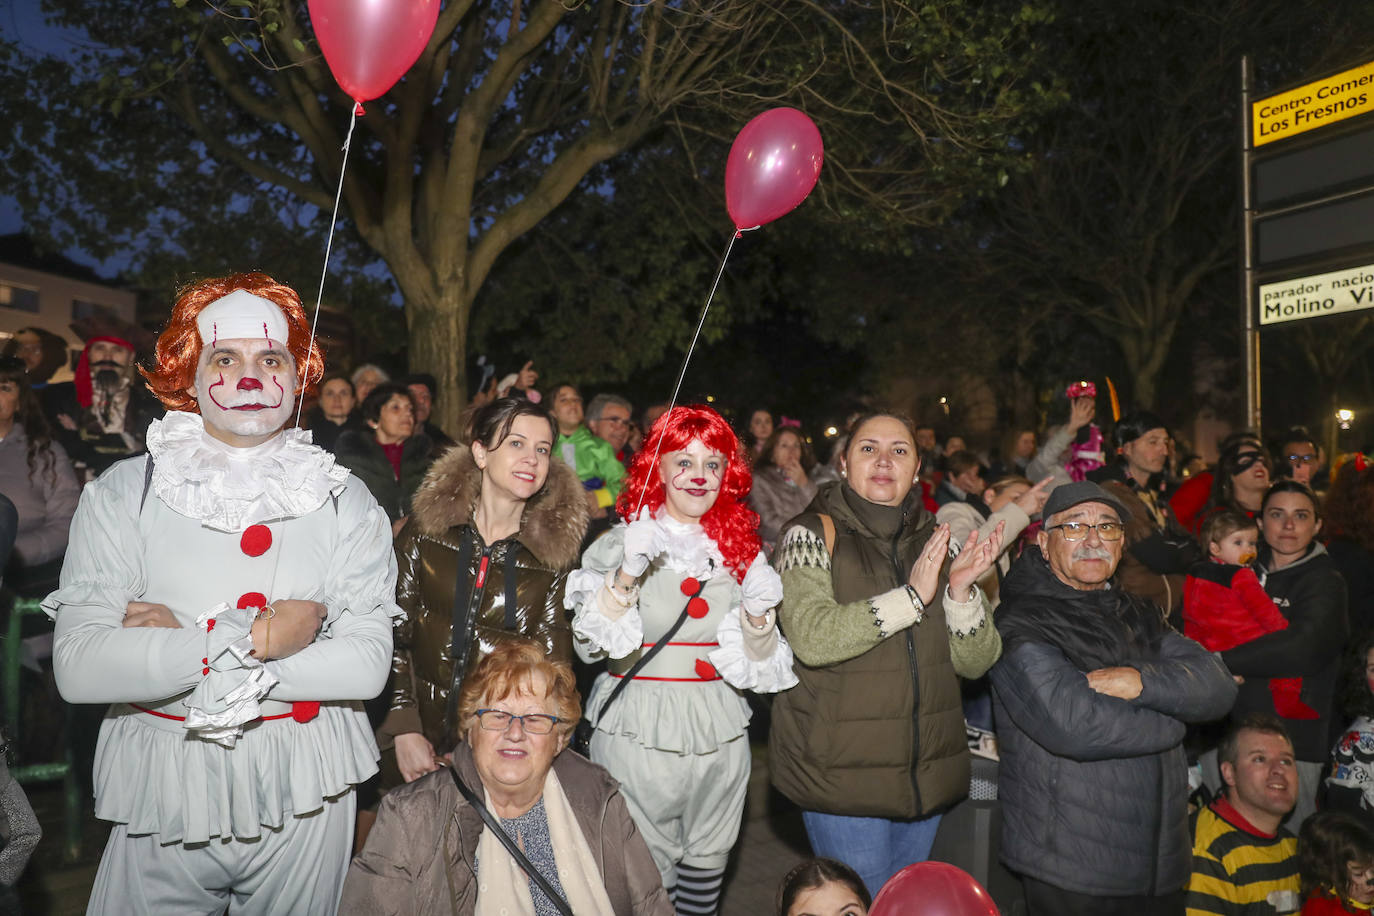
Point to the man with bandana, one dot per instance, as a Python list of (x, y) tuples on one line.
[(101, 416), (231, 594)]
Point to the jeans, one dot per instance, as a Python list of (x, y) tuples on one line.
[(875, 847)]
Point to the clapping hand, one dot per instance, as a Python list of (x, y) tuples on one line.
[(925, 572), (975, 558)]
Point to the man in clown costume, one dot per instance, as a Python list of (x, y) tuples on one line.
[(231, 595)]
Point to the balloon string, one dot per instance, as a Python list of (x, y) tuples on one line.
[(687, 358), (328, 248)]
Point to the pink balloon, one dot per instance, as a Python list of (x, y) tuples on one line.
[(932, 889), (370, 44), (773, 165)]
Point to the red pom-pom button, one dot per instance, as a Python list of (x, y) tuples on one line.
[(697, 608), (305, 710), (256, 540), (690, 586), (705, 670), (252, 599)]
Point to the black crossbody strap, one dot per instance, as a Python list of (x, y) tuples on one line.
[(492, 824), (458, 636), (648, 656), (512, 549)]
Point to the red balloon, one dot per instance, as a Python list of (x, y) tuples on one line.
[(370, 44), (932, 889), (773, 165)]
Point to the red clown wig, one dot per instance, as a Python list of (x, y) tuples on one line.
[(178, 348), (729, 522)]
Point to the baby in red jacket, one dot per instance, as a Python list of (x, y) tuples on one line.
[(1224, 604)]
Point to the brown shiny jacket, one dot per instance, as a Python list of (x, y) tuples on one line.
[(438, 552)]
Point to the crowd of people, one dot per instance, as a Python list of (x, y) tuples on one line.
[(377, 666)]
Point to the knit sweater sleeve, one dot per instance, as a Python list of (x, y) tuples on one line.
[(820, 630), (974, 643)]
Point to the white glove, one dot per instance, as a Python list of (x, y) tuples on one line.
[(762, 588), (644, 540)]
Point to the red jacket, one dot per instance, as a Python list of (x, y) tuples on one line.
[(1225, 605)]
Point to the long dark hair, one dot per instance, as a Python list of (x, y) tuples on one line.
[(491, 423), (813, 873), (1328, 842), (1356, 697), (29, 414), (54, 353)]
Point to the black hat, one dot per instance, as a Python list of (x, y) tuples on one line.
[(1068, 495)]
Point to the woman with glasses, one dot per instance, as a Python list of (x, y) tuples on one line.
[(1301, 577), (37, 477), (432, 851), (496, 526), (871, 742)]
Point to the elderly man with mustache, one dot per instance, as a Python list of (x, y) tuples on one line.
[(1092, 694)]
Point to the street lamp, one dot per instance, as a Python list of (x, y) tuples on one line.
[(831, 432), (1345, 417)]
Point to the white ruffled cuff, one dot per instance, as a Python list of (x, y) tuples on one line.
[(733, 662), (617, 638), (581, 588), (228, 696)]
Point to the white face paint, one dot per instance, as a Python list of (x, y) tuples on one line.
[(691, 480), (246, 389)]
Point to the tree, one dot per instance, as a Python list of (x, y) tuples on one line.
[(212, 116), (1128, 221)]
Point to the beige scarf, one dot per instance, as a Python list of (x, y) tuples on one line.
[(503, 887)]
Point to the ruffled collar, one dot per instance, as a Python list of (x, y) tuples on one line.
[(230, 488), (690, 550)]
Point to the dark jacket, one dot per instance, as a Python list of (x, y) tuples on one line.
[(880, 735), (420, 857), (1311, 594), (326, 433), (1356, 566), (1157, 555), (87, 444), (439, 552), (361, 453), (1093, 788)]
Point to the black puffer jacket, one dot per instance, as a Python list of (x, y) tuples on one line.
[(1093, 788), (363, 455), (1311, 593)]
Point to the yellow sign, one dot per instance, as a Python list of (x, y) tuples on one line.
[(1335, 98)]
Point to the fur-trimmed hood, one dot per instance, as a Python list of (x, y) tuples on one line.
[(555, 518)]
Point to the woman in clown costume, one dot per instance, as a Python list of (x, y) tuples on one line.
[(675, 737)]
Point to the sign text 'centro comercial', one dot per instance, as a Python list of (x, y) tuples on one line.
[(1335, 98), (1320, 294)]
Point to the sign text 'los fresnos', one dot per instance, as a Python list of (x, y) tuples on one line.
[(1320, 294), (1335, 98)]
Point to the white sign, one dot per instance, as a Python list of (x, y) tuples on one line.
[(1321, 294)]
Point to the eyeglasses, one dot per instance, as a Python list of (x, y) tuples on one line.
[(498, 720), (1077, 531), (1301, 459)]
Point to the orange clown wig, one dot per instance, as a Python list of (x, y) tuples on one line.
[(179, 346), (729, 522)]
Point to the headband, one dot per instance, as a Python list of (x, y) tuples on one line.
[(241, 315)]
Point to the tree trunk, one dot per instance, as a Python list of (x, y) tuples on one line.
[(438, 345)]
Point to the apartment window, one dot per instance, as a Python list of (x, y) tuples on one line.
[(82, 309), (23, 298)]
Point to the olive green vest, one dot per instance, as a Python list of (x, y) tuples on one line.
[(880, 735)]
